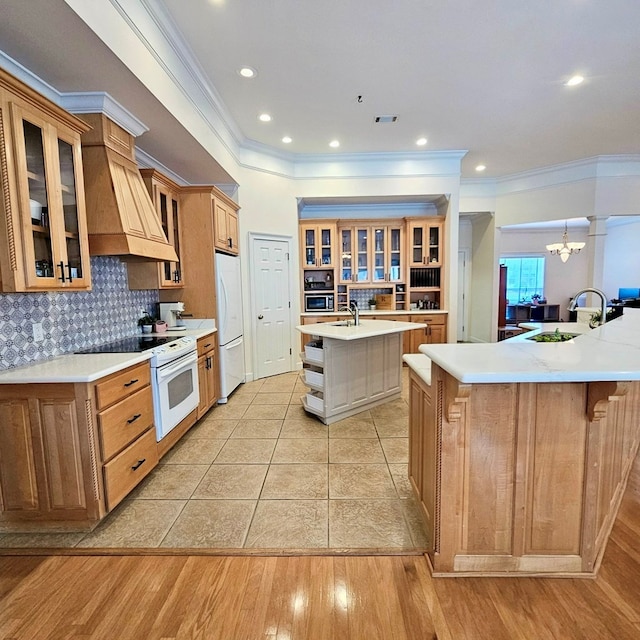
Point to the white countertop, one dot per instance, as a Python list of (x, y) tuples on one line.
[(366, 329), (377, 312), (420, 364), (610, 352), (87, 367)]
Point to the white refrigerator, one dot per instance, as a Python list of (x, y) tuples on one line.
[(229, 321)]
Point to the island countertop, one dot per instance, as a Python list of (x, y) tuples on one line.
[(366, 329), (610, 352)]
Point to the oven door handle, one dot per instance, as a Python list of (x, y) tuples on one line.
[(184, 363)]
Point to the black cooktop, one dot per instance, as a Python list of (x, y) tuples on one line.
[(132, 344)]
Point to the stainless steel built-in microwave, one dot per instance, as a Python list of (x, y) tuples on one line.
[(318, 302)]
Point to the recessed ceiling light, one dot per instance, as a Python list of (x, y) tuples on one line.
[(334, 143), (248, 72), (574, 81), (287, 139), (264, 117), (480, 167), (421, 142)]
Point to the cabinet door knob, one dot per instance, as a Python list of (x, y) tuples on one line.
[(260, 317), (61, 265)]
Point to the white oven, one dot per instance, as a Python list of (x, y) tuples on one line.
[(174, 376)]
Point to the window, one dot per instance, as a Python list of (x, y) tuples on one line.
[(525, 277)]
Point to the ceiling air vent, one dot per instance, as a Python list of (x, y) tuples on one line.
[(385, 119)]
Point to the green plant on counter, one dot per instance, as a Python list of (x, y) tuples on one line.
[(145, 319), (556, 336), (372, 302)]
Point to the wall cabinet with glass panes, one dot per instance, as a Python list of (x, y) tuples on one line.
[(42, 215), (165, 195), (318, 245), (371, 253)]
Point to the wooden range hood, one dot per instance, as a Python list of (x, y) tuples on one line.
[(121, 218)]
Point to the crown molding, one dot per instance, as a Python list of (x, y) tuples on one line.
[(101, 102)]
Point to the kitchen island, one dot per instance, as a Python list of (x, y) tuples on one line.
[(520, 451), (350, 368)]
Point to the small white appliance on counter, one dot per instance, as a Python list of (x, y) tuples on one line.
[(171, 313), (229, 321)]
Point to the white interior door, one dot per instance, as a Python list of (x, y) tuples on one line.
[(271, 288)]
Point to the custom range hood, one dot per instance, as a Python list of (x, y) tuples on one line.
[(121, 218)]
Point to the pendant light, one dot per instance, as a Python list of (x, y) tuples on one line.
[(565, 248)]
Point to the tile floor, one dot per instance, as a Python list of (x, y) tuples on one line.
[(259, 473)]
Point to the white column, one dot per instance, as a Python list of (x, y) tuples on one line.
[(597, 239)]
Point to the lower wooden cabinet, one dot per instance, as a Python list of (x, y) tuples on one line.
[(422, 451), (69, 453), (208, 374), (46, 470), (434, 333)]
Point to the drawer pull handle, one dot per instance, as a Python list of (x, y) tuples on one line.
[(207, 345), (139, 464), (130, 421), (128, 384)]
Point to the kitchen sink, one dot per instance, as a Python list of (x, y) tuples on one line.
[(553, 336), (341, 323)]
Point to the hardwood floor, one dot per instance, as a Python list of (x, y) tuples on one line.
[(316, 598)]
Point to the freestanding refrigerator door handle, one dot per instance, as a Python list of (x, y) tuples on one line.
[(260, 317)]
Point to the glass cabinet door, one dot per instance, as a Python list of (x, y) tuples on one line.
[(310, 247), (167, 207), (346, 260), (379, 273), (362, 253), (417, 245), (73, 265), (49, 177), (395, 255), (434, 244), (41, 264), (326, 247)]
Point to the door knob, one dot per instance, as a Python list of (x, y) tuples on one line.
[(260, 317)]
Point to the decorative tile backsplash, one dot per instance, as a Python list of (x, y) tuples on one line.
[(72, 321)]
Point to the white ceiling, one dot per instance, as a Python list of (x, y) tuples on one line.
[(482, 76)]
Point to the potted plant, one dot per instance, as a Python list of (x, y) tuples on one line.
[(372, 304), (145, 322)]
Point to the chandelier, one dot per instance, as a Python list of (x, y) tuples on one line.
[(565, 248)]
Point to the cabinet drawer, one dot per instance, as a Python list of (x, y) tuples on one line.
[(122, 384), (128, 468), (206, 344), (125, 421), (430, 320)]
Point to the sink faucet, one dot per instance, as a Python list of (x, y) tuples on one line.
[(603, 299), (354, 311)]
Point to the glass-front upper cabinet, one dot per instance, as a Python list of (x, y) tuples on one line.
[(48, 208), (387, 254), (318, 245), (346, 255), (165, 195), (425, 238)]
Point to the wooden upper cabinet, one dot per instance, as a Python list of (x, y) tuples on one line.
[(167, 274), (425, 243), (43, 220), (226, 225), (318, 245), (371, 253)]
